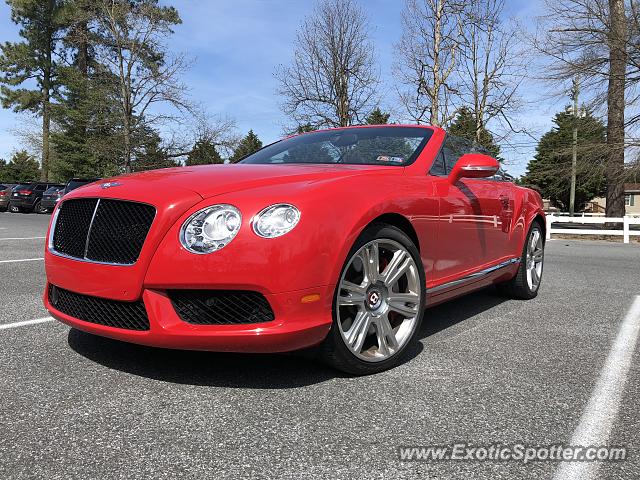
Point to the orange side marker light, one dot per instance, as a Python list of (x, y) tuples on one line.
[(314, 297)]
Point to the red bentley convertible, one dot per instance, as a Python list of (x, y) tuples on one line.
[(337, 239)]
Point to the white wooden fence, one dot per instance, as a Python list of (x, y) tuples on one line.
[(626, 222)]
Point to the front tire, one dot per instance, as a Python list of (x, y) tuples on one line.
[(378, 303), (526, 283), (38, 208)]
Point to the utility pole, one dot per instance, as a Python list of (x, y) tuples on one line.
[(575, 92)]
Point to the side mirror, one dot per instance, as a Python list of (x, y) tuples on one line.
[(474, 165)]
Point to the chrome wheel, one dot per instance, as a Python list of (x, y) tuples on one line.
[(535, 258), (379, 300)]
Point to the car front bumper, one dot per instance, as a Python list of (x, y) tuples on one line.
[(47, 203), (298, 324), (22, 202)]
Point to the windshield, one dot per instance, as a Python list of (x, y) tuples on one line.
[(52, 190), (73, 184), (396, 146)]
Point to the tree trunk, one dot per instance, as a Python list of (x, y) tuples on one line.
[(82, 61), (435, 94), (127, 113), (46, 123), (46, 98), (127, 144), (616, 106)]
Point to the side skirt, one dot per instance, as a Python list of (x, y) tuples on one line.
[(471, 282)]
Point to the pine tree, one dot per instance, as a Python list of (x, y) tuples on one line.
[(88, 143), (204, 152), (550, 170), (464, 125), (4, 172), (41, 24), (150, 154), (377, 117), (249, 144), (21, 168)]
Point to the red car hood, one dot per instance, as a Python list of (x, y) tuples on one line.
[(210, 180)]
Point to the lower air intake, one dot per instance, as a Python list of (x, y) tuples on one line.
[(101, 311), (221, 307)]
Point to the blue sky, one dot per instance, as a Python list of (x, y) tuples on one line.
[(236, 45)]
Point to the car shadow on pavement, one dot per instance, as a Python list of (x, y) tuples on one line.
[(257, 371), (446, 315), (230, 370)]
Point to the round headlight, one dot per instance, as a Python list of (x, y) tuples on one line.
[(276, 220), (210, 229)]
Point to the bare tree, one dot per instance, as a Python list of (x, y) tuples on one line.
[(218, 131), (28, 131), (492, 65), (131, 42), (596, 40), (429, 57), (332, 80)]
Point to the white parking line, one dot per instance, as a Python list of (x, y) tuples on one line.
[(22, 260), (23, 238), (601, 411), (26, 322)]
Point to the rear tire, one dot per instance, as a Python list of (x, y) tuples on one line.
[(377, 309), (526, 283)]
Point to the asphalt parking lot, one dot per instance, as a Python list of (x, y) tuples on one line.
[(486, 370)]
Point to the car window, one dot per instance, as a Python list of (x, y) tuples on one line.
[(51, 190), (501, 176), (438, 168), (396, 146), (453, 148), (73, 184), (40, 188)]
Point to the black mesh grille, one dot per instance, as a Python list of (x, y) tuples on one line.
[(116, 229), (119, 230), (72, 226), (221, 307), (112, 313)]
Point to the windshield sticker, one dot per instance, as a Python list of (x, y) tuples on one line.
[(388, 159)]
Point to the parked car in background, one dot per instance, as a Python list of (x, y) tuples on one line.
[(77, 183), (50, 198), (5, 195), (27, 197), (53, 195)]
